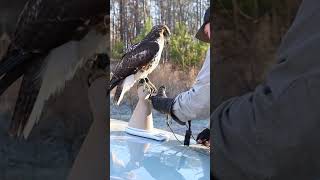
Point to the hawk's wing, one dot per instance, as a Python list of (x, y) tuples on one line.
[(134, 61), (47, 24), (131, 48), (46, 77), (62, 65)]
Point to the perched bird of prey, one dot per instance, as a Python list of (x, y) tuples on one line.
[(51, 40), (138, 62)]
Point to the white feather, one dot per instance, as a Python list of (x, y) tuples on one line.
[(62, 64), (127, 84)]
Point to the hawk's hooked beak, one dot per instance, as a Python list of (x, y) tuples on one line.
[(166, 33)]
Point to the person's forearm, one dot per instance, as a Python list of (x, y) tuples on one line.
[(192, 104)]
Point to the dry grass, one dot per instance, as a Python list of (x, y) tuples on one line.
[(173, 78)]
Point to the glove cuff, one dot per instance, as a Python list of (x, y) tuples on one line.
[(174, 117)]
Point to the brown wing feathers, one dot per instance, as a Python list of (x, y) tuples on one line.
[(133, 61)]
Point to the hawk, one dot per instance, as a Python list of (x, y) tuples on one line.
[(35, 54), (138, 62)]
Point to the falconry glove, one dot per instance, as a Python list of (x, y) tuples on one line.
[(163, 104)]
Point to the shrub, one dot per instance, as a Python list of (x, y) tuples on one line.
[(185, 50), (117, 50)]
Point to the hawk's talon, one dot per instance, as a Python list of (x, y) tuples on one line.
[(151, 86), (153, 90), (142, 82), (146, 89)]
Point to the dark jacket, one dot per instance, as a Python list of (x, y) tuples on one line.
[(274, 132)]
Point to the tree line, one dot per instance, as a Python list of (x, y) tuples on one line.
[(131, 20)]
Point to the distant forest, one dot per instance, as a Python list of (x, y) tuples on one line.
[(131, 20), (246, 36)]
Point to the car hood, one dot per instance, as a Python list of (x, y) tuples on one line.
[(133, 157)]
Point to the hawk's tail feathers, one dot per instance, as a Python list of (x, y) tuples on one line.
[(118, 92), (122, 88)]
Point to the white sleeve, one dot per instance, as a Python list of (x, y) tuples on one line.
[(195, 103)]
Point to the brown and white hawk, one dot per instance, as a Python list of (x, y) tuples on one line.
[(52, 39), (138, 62)]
